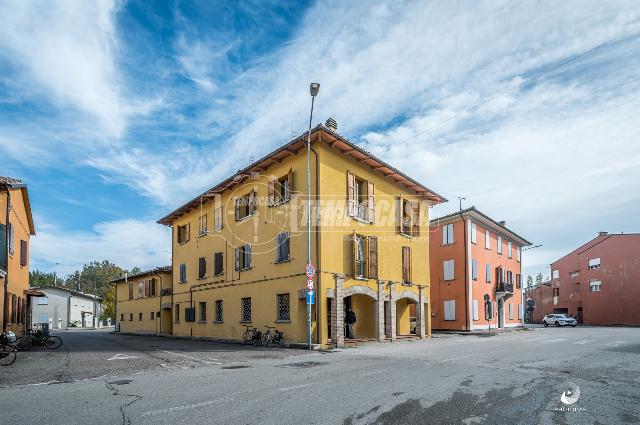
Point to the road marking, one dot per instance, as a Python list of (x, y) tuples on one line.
[(183, 407), (295, 387), (615, 343), (584, 341), (455, 358), (191, 358), (553, 340), (122, 357)]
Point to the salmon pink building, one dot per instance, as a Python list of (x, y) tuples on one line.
[(598, 282), (476, 272)]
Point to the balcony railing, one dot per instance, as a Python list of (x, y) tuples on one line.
[(505, 287), (166, 291)]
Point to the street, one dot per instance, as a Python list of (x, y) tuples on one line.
[(513, 377)]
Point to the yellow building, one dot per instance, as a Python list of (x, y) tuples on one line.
[(16, 228), (240, 248), (143, 302)]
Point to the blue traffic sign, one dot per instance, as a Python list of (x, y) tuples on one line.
[(311, 297)]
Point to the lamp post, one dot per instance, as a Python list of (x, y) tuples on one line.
[(314, 88)]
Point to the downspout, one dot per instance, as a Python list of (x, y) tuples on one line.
[(5, 308), (160, 302), (318, 290), (466, 275)]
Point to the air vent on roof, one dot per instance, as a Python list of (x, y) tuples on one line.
[(603, 233), (331, 124), (502, 223)]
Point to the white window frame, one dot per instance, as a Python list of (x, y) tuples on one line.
[(595, 284), (447, 234), (518, 253), (594, 263), (475, 310), (487, 239), (520, 312), (450, 310), (499, 245), (555, 274), (474, 269), (510, 311), (509, 249), (449, 270), (474, 236), (487, 271)]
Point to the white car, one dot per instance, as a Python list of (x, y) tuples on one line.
[(559, 320)]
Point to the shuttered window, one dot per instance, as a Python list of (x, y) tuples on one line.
[(245, 206), (141, 286), (279, 190), (3, 247), (487, 239), (474, 238), (475, 309), (447, 234), (415, 218), (183, 233), (406, 265), (146, 288), (371, 208), (152, 287), (373, 257), (510, 311), (130, 290), (23, 253), (217, 218), (283, 247), (183, 273), (202, 267), (487, 277), (450, 310), (243, 257), (499, 245), (351, 194), (202, 225), (509, 250), (218, 263), (359, 256), (449, 266), (518, 253)]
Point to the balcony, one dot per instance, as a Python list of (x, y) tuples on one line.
[(166, 291), (504, 290)]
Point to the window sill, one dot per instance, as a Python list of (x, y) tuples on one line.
[(283, 321), (449, 244), (361, 220), (277, 204), (360, 278), (201, 235), (245, 321), (201, 277), (182, 282), (202, 322), (288, 260), (407, 284), (182, 243), (219, 274), (245, 217), (244, 269), (218, 322), (406, 235)]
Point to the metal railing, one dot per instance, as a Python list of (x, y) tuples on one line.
[(505, 287)]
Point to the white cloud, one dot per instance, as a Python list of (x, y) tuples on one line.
[(128, 243)]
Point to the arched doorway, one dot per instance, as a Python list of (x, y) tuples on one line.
[(362, 301), (407, 314)]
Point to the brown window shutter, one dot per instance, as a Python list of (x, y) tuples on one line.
[(290, 181), (237, 208), (351, 194), (406, 264), (188, 231), (415, 218), (371, 208), (237, 259), (354, 249), (23, 253), (271, 191), (399, 214), (146, 287), (373, 257)]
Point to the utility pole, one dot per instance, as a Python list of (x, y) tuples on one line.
[(314, 88)]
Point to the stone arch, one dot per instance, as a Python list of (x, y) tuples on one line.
[(359, 289), (407, 294)]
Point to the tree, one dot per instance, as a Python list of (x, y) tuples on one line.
[(38, 278), (529, 281), (539, 278)]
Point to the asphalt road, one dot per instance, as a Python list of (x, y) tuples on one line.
[(515, 377)]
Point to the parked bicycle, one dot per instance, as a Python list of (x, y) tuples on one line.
[(38, 338), (7, 348), (251, 335), (275, 338)]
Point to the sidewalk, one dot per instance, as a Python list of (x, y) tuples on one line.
[(485, 332)]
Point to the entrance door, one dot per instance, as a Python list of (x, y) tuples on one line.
[(166, 322), (500, 313)]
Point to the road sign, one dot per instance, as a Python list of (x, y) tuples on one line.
[(310, 284), (310, 270), (311, 298)]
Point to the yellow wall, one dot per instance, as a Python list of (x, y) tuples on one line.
[(18, 275), (128, 311)]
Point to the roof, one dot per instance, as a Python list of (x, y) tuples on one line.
[(151, 272), (321, 134), (11, 183), (71, 291), (474, 212), (602, 236)]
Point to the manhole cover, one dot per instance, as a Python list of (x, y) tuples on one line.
[(235, 367), (302, 365), (121, 382)]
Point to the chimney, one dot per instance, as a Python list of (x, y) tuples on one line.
[(331, 124), (603, 233), (502, 223)]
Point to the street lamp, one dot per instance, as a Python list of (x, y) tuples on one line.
[(314, 88)]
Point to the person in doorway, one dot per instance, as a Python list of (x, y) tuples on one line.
[(350, 320)]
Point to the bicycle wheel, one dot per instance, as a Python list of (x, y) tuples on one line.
[(24, 343), (7, 355), (246, 337), (266, 339), (53, 342)]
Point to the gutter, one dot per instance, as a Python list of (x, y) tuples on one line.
[(318, 236)]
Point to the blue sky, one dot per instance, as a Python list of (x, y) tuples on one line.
[(116, 112)]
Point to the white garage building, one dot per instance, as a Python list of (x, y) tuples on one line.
[(63, 308)]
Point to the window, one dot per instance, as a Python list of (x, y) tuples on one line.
[(202, 267), (594, 263), (152, 287), (360, 265), (131, 317), (11, 236), (183, 273), (473, 233), (218, 263), (487, 239), (177, 313), (219, 311), (594, 286), (42, 300), (555, 274), (140, 317), (518, 253), (408, 216), (203, 311), (520, 312), (282, 247), (280, 190), (475, 309), (217, 218), (183, 233), (283, 307), (130, 290), (245, 205), (449, 266), (487, 272), (152, 315), (245, 309), (365, 256), (474, 269), (447, 234), (243, 257), (406, 265), (122, 317), (23, 253), (202, 225), (360, 198), (510, 311), (499, 245), (509, 251), (518, 281), (450, 310), (556, 292)]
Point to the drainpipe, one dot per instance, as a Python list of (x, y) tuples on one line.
[(5, 308), (466, 274), (318, 289), (160, 302)]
